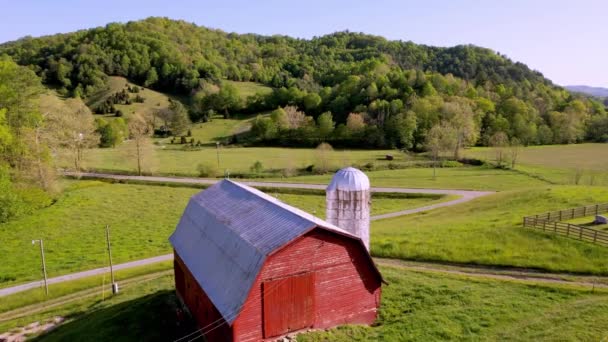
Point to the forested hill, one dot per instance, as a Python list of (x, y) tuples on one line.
[(401, 89)]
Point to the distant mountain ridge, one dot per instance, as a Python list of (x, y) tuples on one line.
[(593, 91)]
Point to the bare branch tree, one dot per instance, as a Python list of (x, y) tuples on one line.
[(499, 141), (139, 131), (514, 151)]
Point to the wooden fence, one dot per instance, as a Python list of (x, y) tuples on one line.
[(549, 222), (572, 213)]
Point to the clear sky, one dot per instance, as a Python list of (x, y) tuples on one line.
[(567, 40)]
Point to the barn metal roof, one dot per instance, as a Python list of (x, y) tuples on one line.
[(349, 179), (226, 233)]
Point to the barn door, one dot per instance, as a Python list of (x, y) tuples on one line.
[(288, 304)]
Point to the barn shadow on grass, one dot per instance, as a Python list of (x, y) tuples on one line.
[(149, 318)]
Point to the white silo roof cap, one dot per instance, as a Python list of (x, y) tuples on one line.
[(349, 179)]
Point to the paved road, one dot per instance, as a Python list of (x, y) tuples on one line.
[(465, 196)]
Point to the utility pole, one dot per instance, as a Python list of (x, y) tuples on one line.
[(217, 149), (114, 285), (46, 285)]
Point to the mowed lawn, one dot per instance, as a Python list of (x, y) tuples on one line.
[(141, 218), (488, 231), (415, 306)]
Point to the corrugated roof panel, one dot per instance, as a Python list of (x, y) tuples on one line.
[(226, 233)]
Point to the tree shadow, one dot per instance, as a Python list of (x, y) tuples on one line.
[(149, 318)]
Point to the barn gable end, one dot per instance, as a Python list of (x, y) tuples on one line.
[(346, 289)]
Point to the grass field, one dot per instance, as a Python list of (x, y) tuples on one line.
[(141, 218), (247, 89), (153, 100), (416, 306), (37, 296), (433, 307), (469, 177), (234, 159), (217, 130), (585, 164), (579, 156), (141, 312), (488, 231)]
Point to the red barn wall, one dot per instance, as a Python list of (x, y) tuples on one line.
[(200, 306), (347, 289)]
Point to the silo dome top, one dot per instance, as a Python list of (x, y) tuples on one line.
[(349, 179)]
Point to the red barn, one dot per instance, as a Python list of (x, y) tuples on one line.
[(249, 267)]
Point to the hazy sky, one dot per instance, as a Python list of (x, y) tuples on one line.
[(566, 40)]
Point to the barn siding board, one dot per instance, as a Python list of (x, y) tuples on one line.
[(347, 289)]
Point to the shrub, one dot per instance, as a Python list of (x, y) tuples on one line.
[(450, 163), (182, 140), (369, 166), (207, 170), (288, 172), (257, 167), (119, 114), (323, 162)]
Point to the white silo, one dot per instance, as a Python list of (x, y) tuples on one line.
[(348, 202)]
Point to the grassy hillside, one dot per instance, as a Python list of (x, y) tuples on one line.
[(154, 100), (394, 83)]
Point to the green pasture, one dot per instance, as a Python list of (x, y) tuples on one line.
[(141, 218), (465, 178), (168, 159), (488, 231), (416, 306)]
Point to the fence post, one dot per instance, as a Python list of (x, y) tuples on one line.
[(585, 211), (560, 215), (555, 227), (544, 225), (595, 236), (597, 209), (572, 212), (580, 233), (568, 230)]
